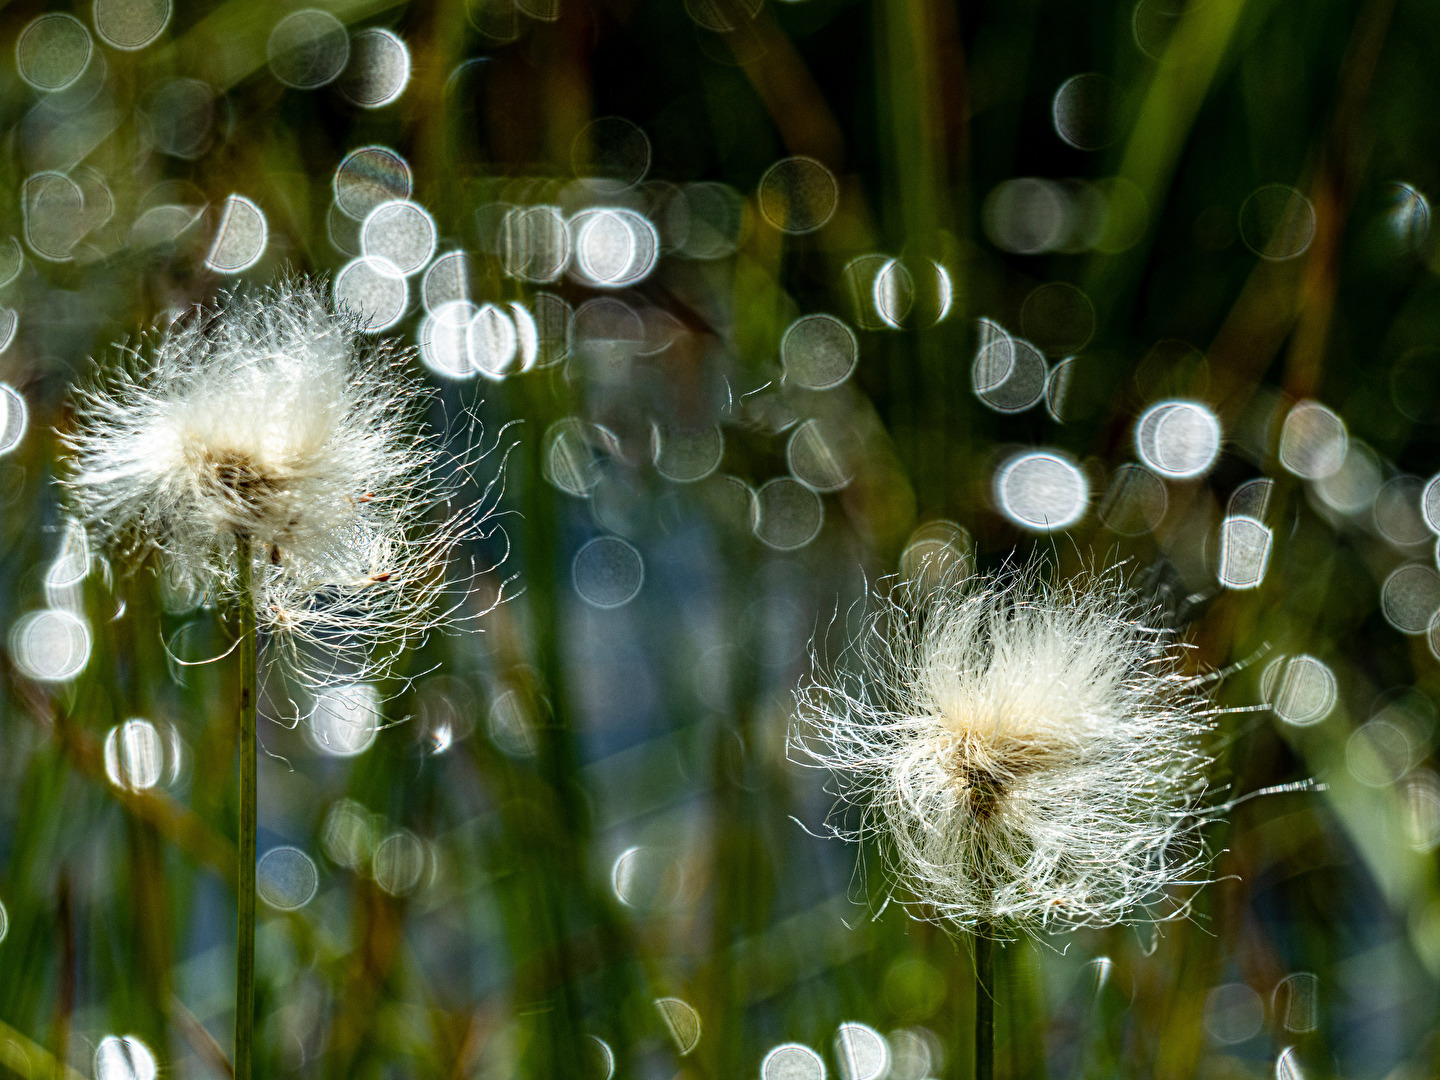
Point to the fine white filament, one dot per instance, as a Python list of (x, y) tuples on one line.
[(1029, 754), (270, 417)]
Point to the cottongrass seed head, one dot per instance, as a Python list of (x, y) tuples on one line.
[(1029, 754), (271, 417)]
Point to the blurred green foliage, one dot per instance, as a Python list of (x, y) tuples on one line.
[(581, 824)]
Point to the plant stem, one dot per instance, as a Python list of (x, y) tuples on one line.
[(984, 1004), (245, 867)]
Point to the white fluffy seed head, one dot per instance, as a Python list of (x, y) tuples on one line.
[(270, 417), (1030, 755)]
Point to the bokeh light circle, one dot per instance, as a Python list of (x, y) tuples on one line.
[(1084, 111), (378, 69), (1042, 491), (14, 418), (798, 195), (1234, 1013), (1302, 689), (131, 24), (241, 238), (682, 1021), (786, 514), (1135, 501), (492, 342), (401, 233), (286, 878), (608, 572), (1245, 545), (1178, 439), (444, 340), (863, 1053), (818, 352), (792, 1061), (308, 48), (134, 755), (368, 177), (50, 645), (345, 720), (124, 1057), (1410, 598), (1313, 441), (52, 51), (1277, 222), (375, 291), (1009, 374), (399, 862)]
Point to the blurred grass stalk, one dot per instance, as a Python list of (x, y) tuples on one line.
[(31, 1060), (924, 100), (249, 795), (984, 1004), (924, 95)]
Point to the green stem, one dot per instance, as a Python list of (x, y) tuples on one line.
[(245, 868), (984, 1004)]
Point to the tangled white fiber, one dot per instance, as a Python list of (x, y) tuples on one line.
[(270, 417), (1030, 754)]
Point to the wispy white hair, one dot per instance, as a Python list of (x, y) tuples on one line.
[(271, 417), (1029, 754)]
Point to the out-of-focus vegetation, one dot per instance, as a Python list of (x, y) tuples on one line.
[(787, 296)]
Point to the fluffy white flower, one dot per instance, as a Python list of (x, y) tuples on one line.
[(1029, 754), (271, 418)]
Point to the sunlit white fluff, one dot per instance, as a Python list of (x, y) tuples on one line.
[(1029, 754), (271, 417)]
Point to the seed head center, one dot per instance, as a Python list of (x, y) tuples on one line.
[(985, 765), (249, 489)]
